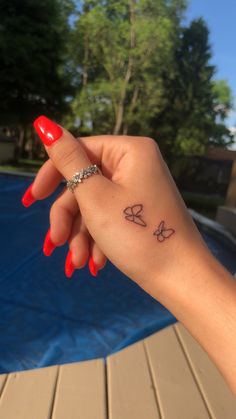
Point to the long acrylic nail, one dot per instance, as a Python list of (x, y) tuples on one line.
[(69, 267), (92, 267), (47, 130), (48, 245), (28, 198)]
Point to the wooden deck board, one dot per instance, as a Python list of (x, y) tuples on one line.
[(175, 385), (81, 391), (166, 376), (130, 389), (3, 378), (221, 402), (29, 394)]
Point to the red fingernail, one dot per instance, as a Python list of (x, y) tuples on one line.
[(48, 245), (27, 198), (69, 267), (47, 130), (92, 267)]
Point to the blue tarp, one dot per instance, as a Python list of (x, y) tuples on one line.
[(46, 319)]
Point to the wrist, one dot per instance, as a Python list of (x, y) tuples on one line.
[(202, 296)]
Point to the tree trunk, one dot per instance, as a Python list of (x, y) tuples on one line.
[(132, 107), (21, 140), (85, 61), (121, 102), (85, 68)]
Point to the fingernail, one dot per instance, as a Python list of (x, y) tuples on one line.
[(48, 245), (92, 267), (69, 267), (47, 130), (28, 199)]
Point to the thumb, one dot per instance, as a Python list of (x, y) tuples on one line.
[(69, 157)]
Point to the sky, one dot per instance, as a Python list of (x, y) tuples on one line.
[(220, 16)]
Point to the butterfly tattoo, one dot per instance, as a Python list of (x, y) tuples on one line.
[(134, 214), (163, 233)]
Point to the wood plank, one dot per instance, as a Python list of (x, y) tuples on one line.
[(81, 391), (28, 394), (221, 402), (178, 394), (130, 389), (3, 378)]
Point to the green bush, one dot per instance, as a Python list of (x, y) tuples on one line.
[(205, 204)]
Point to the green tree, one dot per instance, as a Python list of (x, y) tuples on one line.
[(223, 104), (120, 50), (138, 71), (197, 105), (33, 78)]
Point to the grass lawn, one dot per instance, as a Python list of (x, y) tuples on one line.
[(23, 165)]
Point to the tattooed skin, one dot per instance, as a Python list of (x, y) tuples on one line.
[(134, 215), (163, 233)]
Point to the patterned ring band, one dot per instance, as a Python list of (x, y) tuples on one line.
[(79, 176)]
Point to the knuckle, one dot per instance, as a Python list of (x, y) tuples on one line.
[(152, 153), (142, 143), (153, 148), (150, 142), (149, 145)]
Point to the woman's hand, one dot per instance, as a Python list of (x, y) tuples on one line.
[(134, 213)]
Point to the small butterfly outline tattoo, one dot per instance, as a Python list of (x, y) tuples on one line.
[(134, 214), (163, 233)]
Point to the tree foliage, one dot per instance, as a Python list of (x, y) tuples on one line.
[(32, 50), (139, 71), (120, 50), (197, 105), (113, 66)]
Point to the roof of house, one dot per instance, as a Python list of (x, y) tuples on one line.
[(220, 153)]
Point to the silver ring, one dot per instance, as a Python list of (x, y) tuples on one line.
[(78, 177)]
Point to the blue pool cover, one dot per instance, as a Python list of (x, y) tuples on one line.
[(46, 319)]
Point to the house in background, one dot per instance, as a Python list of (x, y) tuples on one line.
[(224, 155), (226, 215)]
